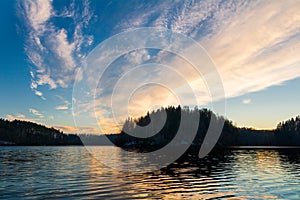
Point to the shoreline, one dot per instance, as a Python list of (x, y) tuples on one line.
[(229, 148)]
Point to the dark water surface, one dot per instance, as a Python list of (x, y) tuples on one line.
[(70, 172)]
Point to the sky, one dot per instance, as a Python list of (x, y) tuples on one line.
[(254, 46)]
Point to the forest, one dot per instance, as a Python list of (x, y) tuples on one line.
[(155, 130), (28, 133), (286, 134)]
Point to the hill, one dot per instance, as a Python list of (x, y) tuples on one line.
[(28, 133), (286, 134)]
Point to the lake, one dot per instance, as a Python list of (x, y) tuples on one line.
[(71, 172)]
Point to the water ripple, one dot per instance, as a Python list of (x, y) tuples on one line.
[(70, 172)]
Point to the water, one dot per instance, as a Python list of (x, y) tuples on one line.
[(70, 172)]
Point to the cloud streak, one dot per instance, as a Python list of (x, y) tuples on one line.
[(53, 49), (36, 113), (64, 106), (19, 116), (246, 101), (254, 44), (250, 54)]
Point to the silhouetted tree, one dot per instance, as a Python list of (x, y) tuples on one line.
[(142, 126), (28, 133)]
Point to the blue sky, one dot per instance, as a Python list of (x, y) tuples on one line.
[(43, 43)]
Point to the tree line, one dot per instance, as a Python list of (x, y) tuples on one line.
[(155, 130), (28, 133), (133, 129), (286, 134)]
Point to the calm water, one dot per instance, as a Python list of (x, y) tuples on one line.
[(70, 172)]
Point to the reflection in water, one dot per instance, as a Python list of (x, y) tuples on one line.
[(65, 172)]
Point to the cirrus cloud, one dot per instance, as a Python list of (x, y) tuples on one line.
[(254, 44), (36, 113), (53, 49)]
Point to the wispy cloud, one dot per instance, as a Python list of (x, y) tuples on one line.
[(64, 106), (250, 54), (72, 129), (254, 45), (64, 49), (40, 94), (53, 49), (19, 116), (246, 101), (67, 129), (138, 57), (38, 13), (36, 113)]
